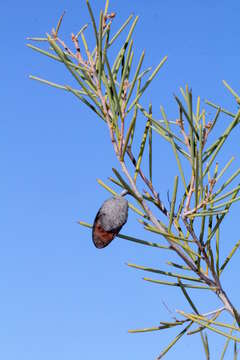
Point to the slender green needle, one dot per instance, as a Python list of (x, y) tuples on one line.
[(143, 73), (189, 300), (226, 345), (100, 57), (136, 210), (93, 22), (86, 102), (216, 118), (225, 168), (173, 202), (217, 323), (205, 345), (129, 132), (224, 196), (59, 23), (237, 97), (150, 145), (122, 51), (120, 30), (217, 250), (208, 213), (135, 78), (142, 147), (182, 267), (64, 59), (227, 182), (173, 342), (226, 203), (125, 69), (134, 125), (83, 28), (223, 138), (166, 273), (143, 242), (110, 95), (145, 86), (175, 152), (199, 321), (168, 138), (124, 184), (198, 110), (50, 83), (113, 87), (222, 110), (190, 286), (106, 7), (200, 165), (229, 257), (192, 128), (46, 53), (37, 39), (156, 328)]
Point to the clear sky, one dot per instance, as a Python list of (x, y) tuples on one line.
[(61, 298)]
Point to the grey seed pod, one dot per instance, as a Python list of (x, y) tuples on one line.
[(109, 220)]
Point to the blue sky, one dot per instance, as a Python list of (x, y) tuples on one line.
[(60, 297)]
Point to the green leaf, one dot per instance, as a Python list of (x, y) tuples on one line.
[(237, 97), (129, 132), (173, 202), (64, 59), (123, 49), (217, 251), (145, 86), (93, 24), (173, 342), (192, 128), (199, 320), (156, 328), (189, 300), (175, 153), (230, 201), (83, 28), (100, 55), (150, 145), (135, 78), (208, 213), (142, 147), (206, 345), (113, 87), (106, 7), (222, 140), (124, 72), (228, 258), (222, 110), (182, 267), (190, 286), (226, 343), (86, 102), (120, 30), (59, 23), (166, 273)]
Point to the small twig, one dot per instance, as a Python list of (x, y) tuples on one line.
[(78, 54)]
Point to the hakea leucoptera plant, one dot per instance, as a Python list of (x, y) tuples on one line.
[(201, 199)]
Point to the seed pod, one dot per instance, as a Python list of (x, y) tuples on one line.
[(109, 220)]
